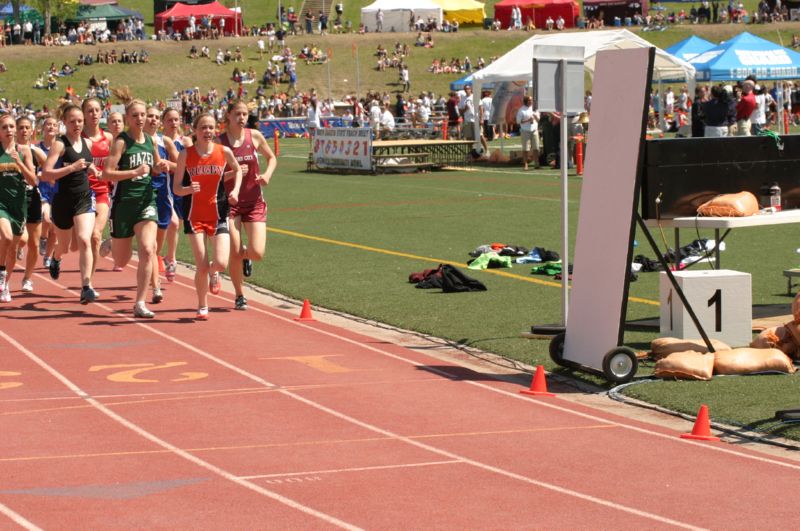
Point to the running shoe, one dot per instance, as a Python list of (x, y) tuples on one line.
[(140, 310), (42, 246), (105, 247), (3, 277), (27, 285), (214, 284), (170, 270), (88, 295), (202, 314), (157, 295), (247, 267), (55, 268), (46, 262), (241, 303), (5, 295)]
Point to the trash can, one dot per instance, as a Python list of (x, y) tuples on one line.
[(487, 23)]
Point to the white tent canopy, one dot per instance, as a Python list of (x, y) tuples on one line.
[(516, 65), (396, 15)]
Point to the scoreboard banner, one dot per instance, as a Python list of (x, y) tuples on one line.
[(343, 148)]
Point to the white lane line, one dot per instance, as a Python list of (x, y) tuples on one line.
[(18, 519), (412, 442), (164, 444), (353, 469), (516, 396)]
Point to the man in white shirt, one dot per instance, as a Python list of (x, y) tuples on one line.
[(669, 102), (312, 122), (423, 112), (387, 118), (261, 45), (528, 121), (486, 115), (375, 118)]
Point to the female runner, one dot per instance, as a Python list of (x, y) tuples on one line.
[(115, 124), (33, 201), (73, 204), (16, 169), (132, 160), (47, 190), (206, 205), (167, 152), (251, 209), (171, 123), (101, 146)]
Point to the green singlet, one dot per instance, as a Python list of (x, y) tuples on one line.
[(12, 193), (134, 199)]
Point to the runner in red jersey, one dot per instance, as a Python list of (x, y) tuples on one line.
[(206, 204), (251, 210), (100, 147)]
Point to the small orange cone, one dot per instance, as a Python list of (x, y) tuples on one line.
[(538, 385), (702, 427), (305, 313)]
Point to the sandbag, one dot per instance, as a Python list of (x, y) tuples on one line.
[(794, 330), (730, 205), (778, 337), (750, 360), (686, 365), (664, 346)]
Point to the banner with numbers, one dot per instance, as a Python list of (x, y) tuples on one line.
[(343, 148)]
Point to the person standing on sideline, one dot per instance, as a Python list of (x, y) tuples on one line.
[(73, 204), (379, 21), (744, 108), (250, 212), (206, 205), (717, 113), (131, 163), (16, 170), (486, 115), (528, 121)]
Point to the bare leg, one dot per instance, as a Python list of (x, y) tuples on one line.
[(34, 233), (146, 247), (100, 221), (84, 225), (198, 243)]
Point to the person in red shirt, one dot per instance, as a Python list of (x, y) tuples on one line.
[(744, 108), (201, 169)]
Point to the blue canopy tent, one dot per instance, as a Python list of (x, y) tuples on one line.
[(746, 55), (690, 48)]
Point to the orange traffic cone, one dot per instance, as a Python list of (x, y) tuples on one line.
[(702, 427), (538, 385), (305, 313)]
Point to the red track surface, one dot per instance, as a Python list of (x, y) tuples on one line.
[(252, 420)]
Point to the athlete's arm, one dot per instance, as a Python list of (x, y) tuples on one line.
[(24, 160), (263, 148), (180, 171), (233, 196), (49, 173), (172, 152), (159, 165), (38, 155), (111, 173)]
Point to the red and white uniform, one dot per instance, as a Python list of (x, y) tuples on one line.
[(207, 210), (251, 206), (101, 147)]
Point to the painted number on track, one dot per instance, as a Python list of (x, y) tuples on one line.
[(130, 372), (9, 385)]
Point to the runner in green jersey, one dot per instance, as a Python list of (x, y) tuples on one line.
[(16, 169), (132, 162)]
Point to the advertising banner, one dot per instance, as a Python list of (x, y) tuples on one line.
[(343, 148)]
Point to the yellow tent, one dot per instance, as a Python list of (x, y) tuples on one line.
[(464, 11)]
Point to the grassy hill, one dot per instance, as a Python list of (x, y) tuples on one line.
[(171, 69)]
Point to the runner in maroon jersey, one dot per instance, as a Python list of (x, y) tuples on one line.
[(251, 210)]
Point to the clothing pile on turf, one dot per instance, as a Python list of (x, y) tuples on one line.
[(447, 278)]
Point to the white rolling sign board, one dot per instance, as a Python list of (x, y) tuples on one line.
[(609, 200), (343, 148)]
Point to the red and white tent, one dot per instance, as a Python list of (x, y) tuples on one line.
[(180, 14)]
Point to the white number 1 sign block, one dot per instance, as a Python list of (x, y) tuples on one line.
[(721, 300)]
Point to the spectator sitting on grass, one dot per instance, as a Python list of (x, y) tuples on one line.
[(220, 57), (205, 52), (193, 52)]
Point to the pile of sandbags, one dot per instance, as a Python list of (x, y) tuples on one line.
[(786, 338), (689, 359)]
